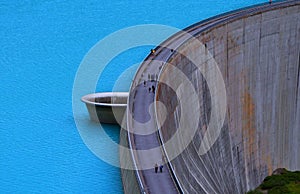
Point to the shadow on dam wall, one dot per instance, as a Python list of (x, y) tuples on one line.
[(258, 57)]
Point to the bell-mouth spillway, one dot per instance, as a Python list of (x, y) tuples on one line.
[(106, 107)]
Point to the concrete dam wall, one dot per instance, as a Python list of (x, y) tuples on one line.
[(258, 55)]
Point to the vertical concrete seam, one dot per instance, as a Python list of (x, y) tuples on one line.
[(297, 86)]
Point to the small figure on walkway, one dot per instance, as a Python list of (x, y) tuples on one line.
[(152, 51), (160, 168), (153, 89), (149, 89), (144, 83), (155, 167)]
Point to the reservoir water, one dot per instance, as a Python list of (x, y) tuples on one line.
[(42, 45)]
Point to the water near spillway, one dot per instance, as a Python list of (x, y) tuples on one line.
[(42, 45)]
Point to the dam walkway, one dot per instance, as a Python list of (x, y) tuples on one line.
[(143, 128), (155, 182)]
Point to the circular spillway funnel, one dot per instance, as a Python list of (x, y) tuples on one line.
[(106, 107)]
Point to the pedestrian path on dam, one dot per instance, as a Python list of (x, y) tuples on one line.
[(155, 182), (144, 134)]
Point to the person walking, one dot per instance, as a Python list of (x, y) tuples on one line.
[(161, 168), (155, 167), (152, 51)]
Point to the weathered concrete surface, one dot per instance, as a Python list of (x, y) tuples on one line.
[(261, 130), (259, 58)]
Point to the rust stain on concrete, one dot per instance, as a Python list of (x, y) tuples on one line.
[(249, 130), (269, 164), (266, 154)]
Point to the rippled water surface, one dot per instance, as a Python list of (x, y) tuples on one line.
[(42, 45)]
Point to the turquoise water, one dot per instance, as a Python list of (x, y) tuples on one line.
[(42, 45)]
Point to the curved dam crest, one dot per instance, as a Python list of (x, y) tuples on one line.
[(258, 54)]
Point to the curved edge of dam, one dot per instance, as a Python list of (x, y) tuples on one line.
[(257, 51)]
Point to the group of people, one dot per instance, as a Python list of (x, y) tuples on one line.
[(156, 168), (152, 88)]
